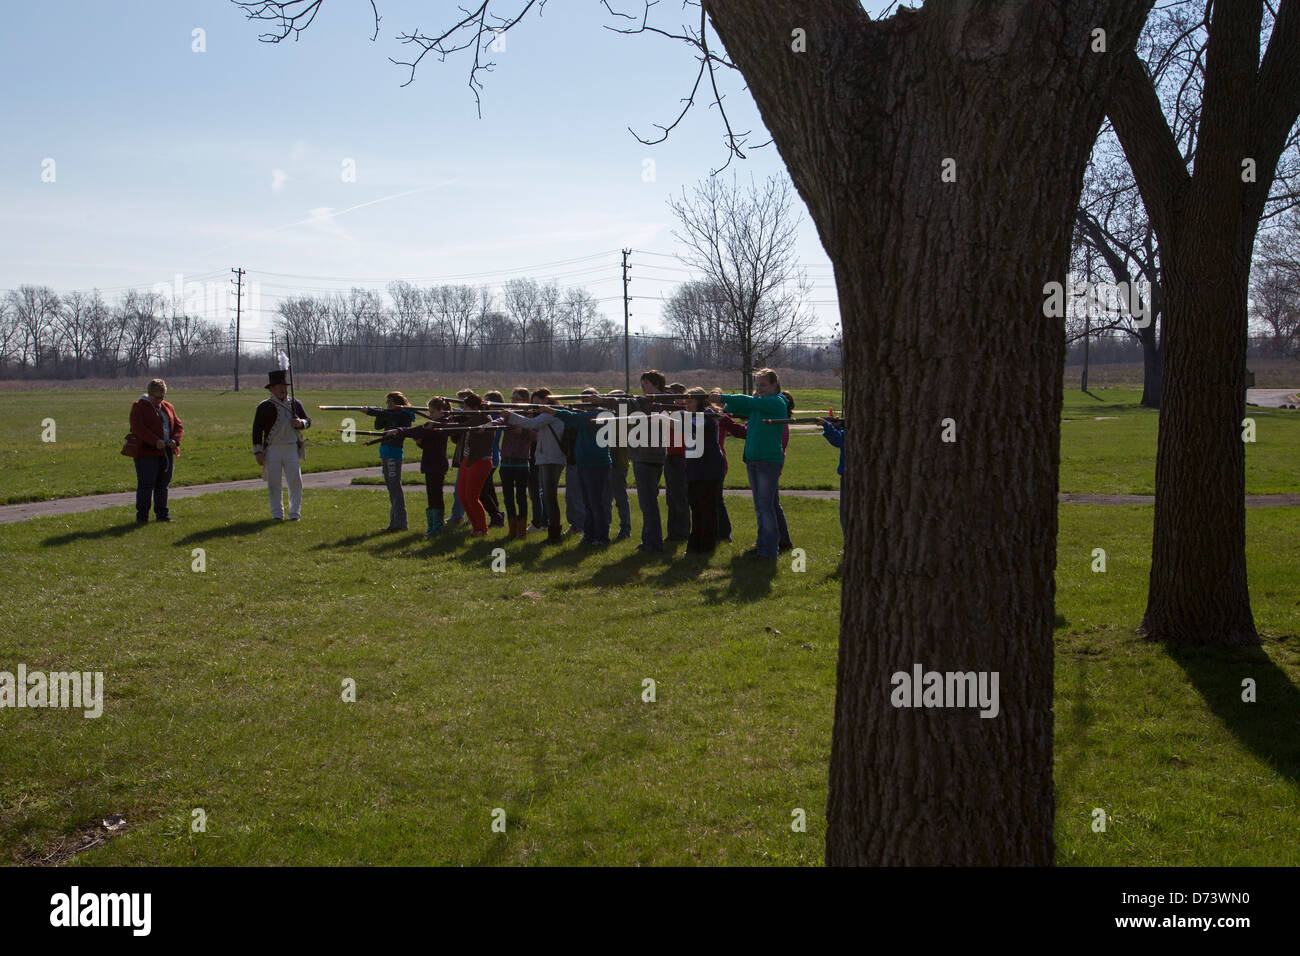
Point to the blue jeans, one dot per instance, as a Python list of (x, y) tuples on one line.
[(535, 495), (153, 473), (594, 480), (574, 507), (457, 509), (617, 492), (782, 530), (646, 475), (764, 477)]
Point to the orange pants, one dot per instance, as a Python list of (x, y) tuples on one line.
[(472, 477)]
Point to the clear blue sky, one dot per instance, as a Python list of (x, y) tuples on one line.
[(171, 161)]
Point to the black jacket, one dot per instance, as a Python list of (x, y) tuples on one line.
[(264, 420)]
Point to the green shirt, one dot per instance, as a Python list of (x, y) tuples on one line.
[(762, 441)]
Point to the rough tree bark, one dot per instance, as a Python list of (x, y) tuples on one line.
[(1206, 223), (951, 547)]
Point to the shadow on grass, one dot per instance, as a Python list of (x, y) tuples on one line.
[(352, 540), (112, 531), (625, 739), (1077, 724), (1270, 727), (229, 531), (751, 580)]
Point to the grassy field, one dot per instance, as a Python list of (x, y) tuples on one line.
[(522, 690), (1107, 443)]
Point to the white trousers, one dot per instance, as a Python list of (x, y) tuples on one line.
[(283, 457)]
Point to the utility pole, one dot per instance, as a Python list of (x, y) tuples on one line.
[(239, 293), (627, 351)]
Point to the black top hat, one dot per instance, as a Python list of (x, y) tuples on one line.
[(278, 377)]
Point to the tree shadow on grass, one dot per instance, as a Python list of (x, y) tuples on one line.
[(750, 580), (625, 739), (112, 531), (228, 531), (1077, 724), (1270, 726)]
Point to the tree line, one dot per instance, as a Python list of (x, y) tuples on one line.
[(524, 326)]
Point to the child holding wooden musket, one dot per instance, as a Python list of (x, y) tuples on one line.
[(835, 435), (647, 466), (488, 496), (396, 415), (617, 491), (550, 457), (432, 441), (592, 464), (704, 479), (764, 455), (783, 530), (678, 526), (726, 426), (474, 452), (516, 447)]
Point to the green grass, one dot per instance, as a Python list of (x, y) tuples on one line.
[(1187, 773), (1114, 455), (1108, 446), (473, 694)]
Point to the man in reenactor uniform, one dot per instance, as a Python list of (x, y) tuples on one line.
[(279, 445)]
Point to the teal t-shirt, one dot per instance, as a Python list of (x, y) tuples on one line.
[(762, 441)]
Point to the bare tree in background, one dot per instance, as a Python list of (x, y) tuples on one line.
[(523, 303), (580, 317), (742, 241), (548, 322), (141, 320), (455, 307), (1117, 240), (36, 312), (694, 315), (408, 320), (77, 316), (9, 334), (304, 320), (1275, 287), (1205, 174)]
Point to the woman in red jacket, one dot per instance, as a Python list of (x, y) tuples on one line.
[(154, 442)]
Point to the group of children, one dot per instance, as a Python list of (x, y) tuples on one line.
[(536, 442)]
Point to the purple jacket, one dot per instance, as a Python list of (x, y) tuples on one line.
[(433, 443), (517, 442)]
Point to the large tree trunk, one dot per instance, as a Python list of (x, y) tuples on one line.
[(1206, 223), (950, 546), (1198, 592), (1153, 366)]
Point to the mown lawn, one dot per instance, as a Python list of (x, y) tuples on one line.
[(522, 690)]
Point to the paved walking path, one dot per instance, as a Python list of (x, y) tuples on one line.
[(343, 479)]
